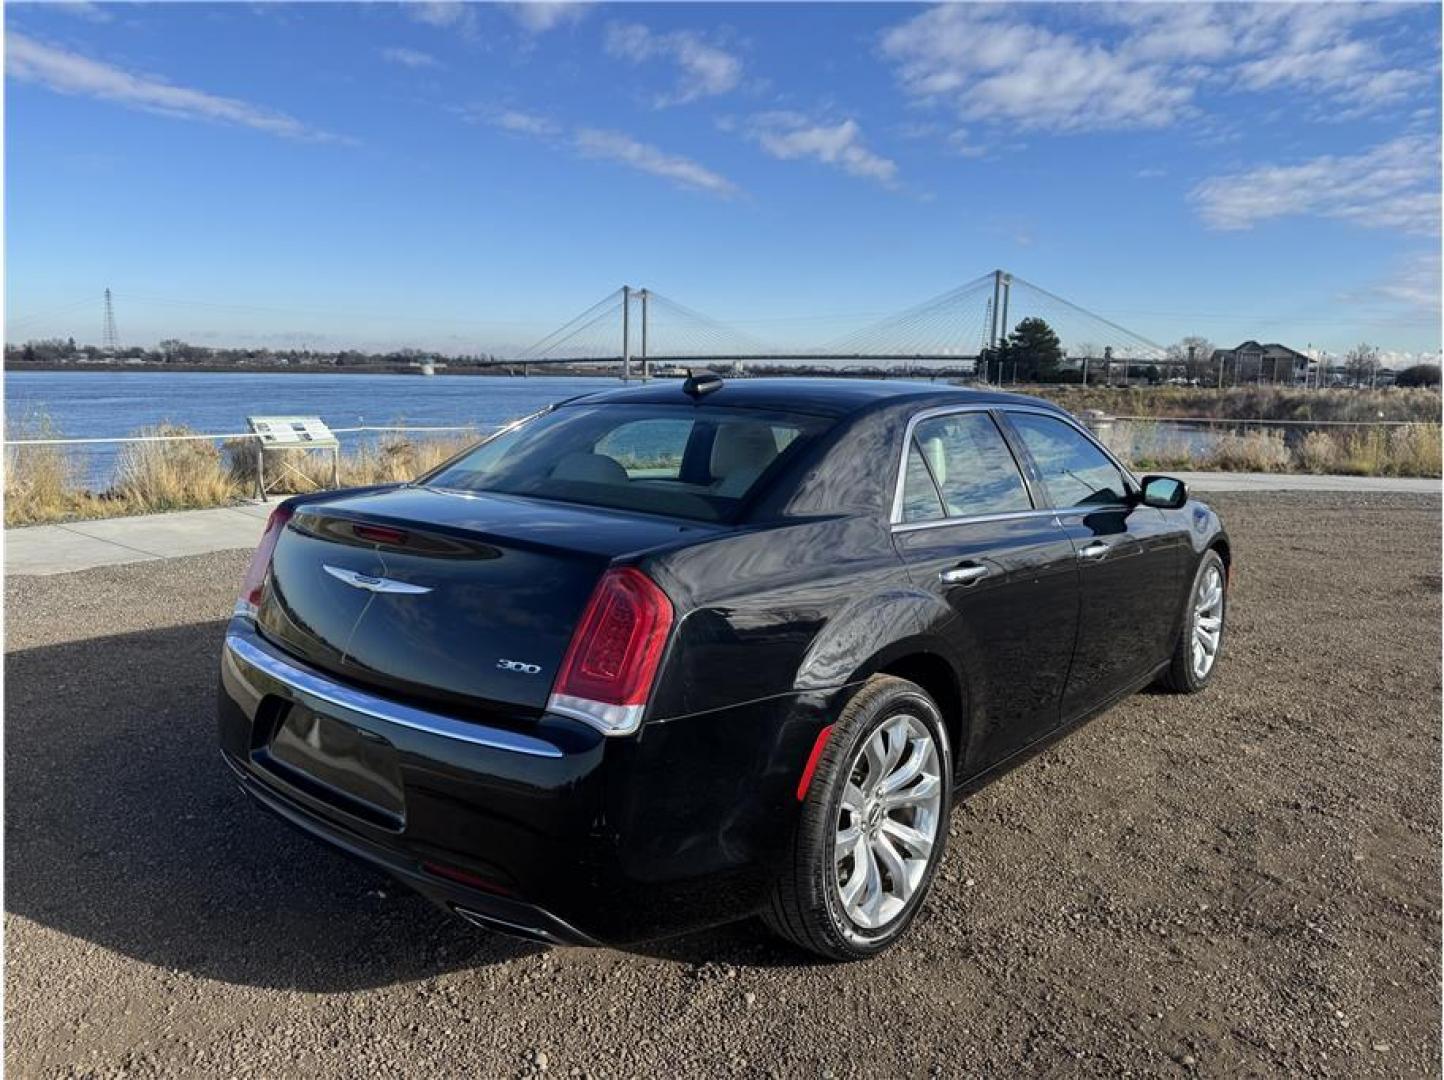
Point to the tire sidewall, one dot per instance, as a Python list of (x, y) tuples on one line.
[(910, 699), (1195, 681)]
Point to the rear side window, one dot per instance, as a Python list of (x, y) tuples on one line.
[(680, 461), (1075, 471), (971, 464), (921, 501)]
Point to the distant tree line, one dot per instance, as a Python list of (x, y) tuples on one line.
[(1031, 352), (181, 353)]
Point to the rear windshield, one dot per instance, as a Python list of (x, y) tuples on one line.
[(678, 460)]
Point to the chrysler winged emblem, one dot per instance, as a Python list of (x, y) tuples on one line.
[(373, 584)]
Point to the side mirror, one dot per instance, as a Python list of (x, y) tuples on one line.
[(1163, 492)]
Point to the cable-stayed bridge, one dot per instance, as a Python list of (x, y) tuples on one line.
[(638, 328)]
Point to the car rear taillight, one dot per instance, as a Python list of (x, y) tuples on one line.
[(255, 578), (607, 674)]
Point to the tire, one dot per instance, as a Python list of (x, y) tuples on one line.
[(1183, 675), (809, 905)]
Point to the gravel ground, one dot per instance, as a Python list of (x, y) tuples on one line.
[(1243, 882)]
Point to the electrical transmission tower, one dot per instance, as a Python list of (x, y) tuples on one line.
[(109, 342)]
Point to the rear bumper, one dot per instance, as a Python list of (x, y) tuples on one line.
[(543, 827), (502, 913)]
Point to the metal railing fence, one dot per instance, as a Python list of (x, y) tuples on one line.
[(116, 439)]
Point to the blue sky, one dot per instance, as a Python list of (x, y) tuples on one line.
[(468, 177)]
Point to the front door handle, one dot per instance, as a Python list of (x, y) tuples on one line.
[(1095, 550), (968, 574)]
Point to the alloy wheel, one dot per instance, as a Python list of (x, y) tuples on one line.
[(888, 822), (1207, 622)]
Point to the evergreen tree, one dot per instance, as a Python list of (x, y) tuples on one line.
[(1035, 348)]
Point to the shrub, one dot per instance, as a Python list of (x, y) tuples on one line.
[(1417, 450), (1319, 453), (1418, 375)]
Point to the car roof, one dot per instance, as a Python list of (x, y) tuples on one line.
[(820, 397)]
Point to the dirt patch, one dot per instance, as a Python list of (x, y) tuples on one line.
[(1242, 882)]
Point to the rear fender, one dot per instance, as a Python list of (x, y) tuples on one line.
[(847, 648), (907, 631)]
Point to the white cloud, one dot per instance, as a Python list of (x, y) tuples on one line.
[(990, 65), (705, 69), (1312, 47), (605, 145), (69, 73), (1417, 284), (524, 123), (789, 136), (412, 58), (444, 14), (1394, 185), (615, 146), (539, 16), (81, 9), (1121, 66)]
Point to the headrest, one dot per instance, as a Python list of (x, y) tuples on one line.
[(737, 446), (589, 468), (937, 457)]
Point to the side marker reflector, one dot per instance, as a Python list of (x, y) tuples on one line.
[(811, 767)]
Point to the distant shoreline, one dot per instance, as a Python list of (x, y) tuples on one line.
[(308, 369)]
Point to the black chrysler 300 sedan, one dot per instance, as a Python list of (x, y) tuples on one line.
[(667, 656)]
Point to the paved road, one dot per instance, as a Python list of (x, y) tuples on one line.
[(1238, 481), (1241, 883), (83, 545)]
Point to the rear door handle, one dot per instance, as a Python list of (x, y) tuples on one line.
[(1095, 550), (968, 574)]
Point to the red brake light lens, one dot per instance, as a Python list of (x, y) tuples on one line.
[(379, 534), (255, 578), (606, 676)]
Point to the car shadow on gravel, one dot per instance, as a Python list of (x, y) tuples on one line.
[(124, 828)]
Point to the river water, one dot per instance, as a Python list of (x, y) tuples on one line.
[(92, 404)]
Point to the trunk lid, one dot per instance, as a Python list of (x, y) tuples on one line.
[(470, 600)]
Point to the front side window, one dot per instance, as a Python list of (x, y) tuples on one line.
[(972, 465), (681, 461), (1075, 471)]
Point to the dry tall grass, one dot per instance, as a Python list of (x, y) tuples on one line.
[(394, 458), (180, 475), (1400, 451), (1248, 402), (1254, 451), (43, 483), (1148, 445), (1414, 450)]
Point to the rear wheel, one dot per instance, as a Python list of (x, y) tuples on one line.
[(1200, 640), (873, 826)]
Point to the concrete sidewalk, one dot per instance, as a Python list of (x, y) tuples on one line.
[(81, 545)]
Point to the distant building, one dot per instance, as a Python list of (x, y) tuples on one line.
[(1252, 362)]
